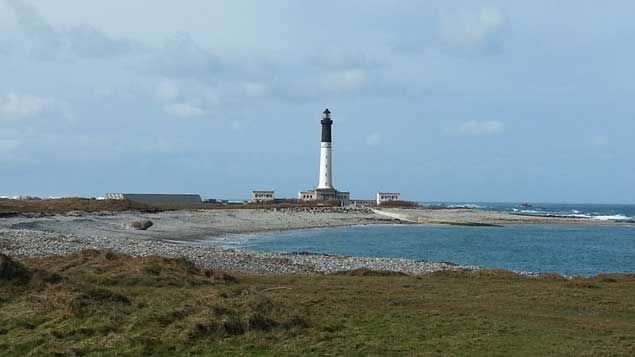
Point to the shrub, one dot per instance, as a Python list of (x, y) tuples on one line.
[(11, 270), (94, 298)]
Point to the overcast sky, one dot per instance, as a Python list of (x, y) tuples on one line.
[(439, 100)]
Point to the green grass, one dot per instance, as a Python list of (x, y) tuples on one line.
[(100, 303)]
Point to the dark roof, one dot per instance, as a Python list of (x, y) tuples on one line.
[(164, 199)]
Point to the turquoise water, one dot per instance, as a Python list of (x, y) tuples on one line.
[(568, 250)]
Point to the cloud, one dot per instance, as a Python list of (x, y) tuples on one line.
[(194, 82), (49, 43), (181, 57), (341, 58), (474, 127), (254, 89), (344, 81), (374, 139), (342, 70), (89, 42), (46, 42), (22, 106), (184, 110), (168, 90), (186, 99), (472, 31)]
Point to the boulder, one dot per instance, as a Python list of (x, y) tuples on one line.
[(141, 225)]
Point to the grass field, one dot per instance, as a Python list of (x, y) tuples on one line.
[(100, 303)]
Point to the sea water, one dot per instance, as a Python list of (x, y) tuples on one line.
[(601, 212), (568, 250)]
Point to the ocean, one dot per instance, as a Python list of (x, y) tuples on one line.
[(564, 249), (604, 212)]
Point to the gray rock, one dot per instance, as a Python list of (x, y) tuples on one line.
[(141, 225)]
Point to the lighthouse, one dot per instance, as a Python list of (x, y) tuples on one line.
[(326, 146), (325, 191)]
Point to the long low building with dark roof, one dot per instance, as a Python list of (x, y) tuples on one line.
[(158, 199)]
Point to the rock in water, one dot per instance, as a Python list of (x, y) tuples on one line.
[(141, 225)]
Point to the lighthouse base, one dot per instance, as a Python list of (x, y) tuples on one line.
[(325, 195)]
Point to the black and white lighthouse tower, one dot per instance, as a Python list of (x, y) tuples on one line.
[(326, 146), (325, 191)]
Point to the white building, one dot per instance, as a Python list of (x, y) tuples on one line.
[(307, 195), (387, 197), (262, 196)]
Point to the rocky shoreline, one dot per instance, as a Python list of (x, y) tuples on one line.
[(198, 234), (22, 243)]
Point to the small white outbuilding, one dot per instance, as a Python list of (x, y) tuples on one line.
[(387, 197), (263, 196)]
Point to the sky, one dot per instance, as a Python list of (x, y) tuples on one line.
[(439, 100)]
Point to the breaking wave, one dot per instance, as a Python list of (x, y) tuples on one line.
[(465, 205), (599, 212), (574, 214), (617, 217)]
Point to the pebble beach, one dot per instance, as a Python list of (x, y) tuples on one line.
[(191, 234), (30, 244)]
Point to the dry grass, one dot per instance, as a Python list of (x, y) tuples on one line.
[(65, 205), (100, 303), (399, 204)]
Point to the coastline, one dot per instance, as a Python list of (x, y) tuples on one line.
[(185, 234), (24, 244)]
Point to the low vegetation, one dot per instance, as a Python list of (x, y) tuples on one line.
[(101, 303), (65, 205), (9, 207), (399, 204)]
